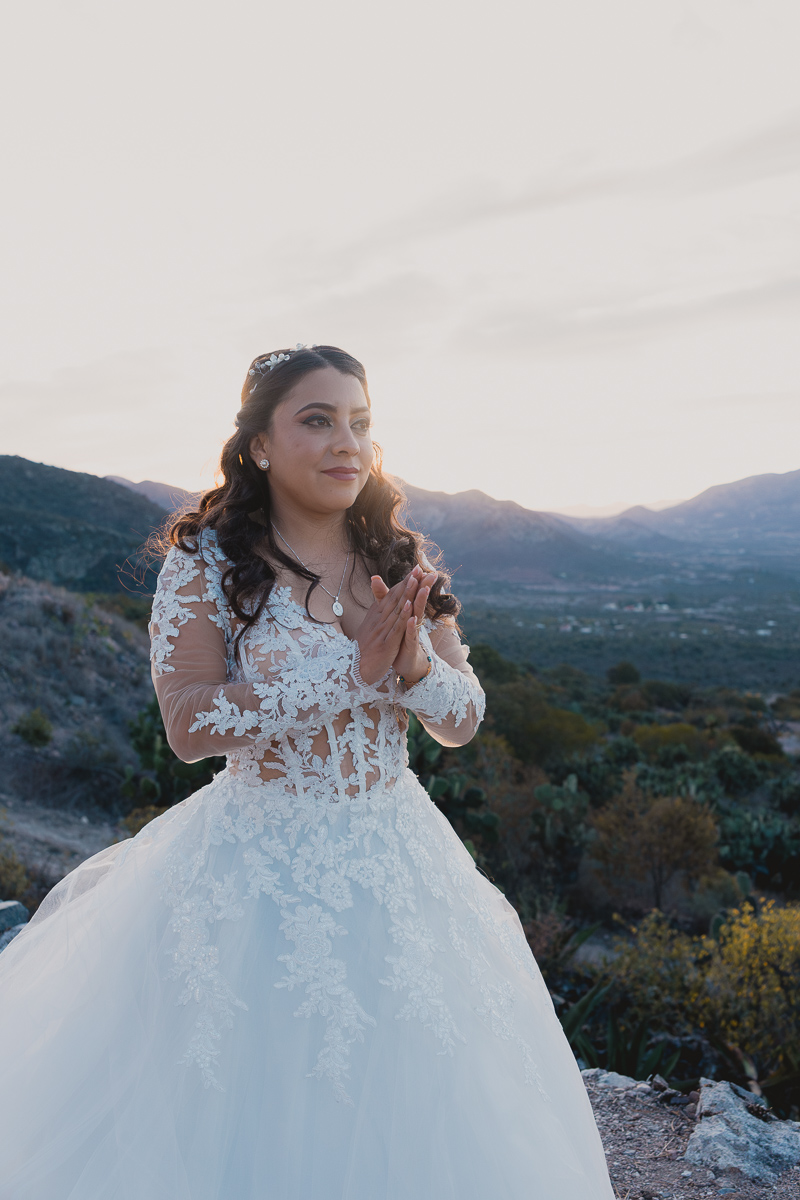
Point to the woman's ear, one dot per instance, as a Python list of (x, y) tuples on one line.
[(259, 448)]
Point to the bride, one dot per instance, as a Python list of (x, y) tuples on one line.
[(293, 985)]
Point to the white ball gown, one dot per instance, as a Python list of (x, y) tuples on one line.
[(295, 984)]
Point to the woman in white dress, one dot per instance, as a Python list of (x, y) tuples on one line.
[(293, 985)]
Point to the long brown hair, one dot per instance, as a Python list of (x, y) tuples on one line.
[(239, 509)]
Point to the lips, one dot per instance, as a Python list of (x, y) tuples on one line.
[(344, 473)]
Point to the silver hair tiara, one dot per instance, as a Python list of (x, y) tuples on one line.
[(266, 364)]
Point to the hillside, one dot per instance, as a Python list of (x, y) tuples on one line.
[(72, 675), (78, 530), (74, 529), (759, 515), (479, 535)]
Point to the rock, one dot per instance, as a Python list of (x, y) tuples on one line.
[(6, 937), (12, 913), (601, 1078), (735, 1133)]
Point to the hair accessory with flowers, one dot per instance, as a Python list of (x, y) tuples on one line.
[(266, 364)]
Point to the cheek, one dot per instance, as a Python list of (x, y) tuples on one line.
[(298, 448)]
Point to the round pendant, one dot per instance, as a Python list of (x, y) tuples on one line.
[(337, 609)]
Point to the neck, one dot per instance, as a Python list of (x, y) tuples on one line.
[(312, 535)]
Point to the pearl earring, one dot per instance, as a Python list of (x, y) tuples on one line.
[(264, 464)]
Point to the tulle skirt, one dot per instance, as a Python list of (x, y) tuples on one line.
[(262, 997)]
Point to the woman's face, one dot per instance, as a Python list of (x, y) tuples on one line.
[(319, 445)]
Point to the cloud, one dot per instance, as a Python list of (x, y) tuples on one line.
[(769, 152), (575, 327), (390, 315)]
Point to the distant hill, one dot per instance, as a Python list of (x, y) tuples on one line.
[(480, 536), (759, 515), (171, 499), (74, 529), (78, 530)]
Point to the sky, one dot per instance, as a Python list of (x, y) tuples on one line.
[(564, 239)]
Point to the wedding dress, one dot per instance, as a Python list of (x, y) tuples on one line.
[(295, 984)]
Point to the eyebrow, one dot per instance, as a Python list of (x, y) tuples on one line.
[(329, 407)]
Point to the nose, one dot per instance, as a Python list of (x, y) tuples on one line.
[(346, 442)]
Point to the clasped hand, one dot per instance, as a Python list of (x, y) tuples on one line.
[(389, 635)]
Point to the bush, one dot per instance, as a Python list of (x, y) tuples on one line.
[(560, 825), (34, 728), (651, 839), (739, 990), (785, 794), (162, 779), (555, 733), (139, 817), (736, 771), (662, 694), (756, 741), (654, 740), (623, 672), (15, 883), (462, 802), (489, 665), (761, 842)]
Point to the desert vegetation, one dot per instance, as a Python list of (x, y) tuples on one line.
[(646, 829), (648, 832)]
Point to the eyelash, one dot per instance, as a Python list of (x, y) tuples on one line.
[(366, 425)]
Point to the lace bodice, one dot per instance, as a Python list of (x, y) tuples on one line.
[(291, 704)]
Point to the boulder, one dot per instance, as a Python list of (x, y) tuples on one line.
[(6, 937), (612, 1079), (12, 913), (736, 1133)]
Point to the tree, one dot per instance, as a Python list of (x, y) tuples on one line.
[(652, 838), (623, 672)]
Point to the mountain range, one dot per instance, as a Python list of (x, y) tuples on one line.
[(78, 530)]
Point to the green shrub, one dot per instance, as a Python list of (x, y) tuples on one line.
[(560, 824), (761, 842), (15, 883), (34, 728), (162, 779), (660, 693), (489, 665), (754, 740), (623, 672), (462, 802), (653, 740)]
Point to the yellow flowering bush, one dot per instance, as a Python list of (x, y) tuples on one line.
[(750, 994), (740, 989)]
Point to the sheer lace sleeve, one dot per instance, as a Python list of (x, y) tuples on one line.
[(207, 712), (449, 701)]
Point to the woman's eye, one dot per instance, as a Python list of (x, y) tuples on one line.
[(363, 426), (316, 418)]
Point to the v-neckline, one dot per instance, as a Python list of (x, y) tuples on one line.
[(292, 603)]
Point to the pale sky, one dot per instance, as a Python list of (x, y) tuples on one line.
[(564, 238)]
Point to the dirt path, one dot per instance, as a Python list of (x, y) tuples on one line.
[(645, 1142)]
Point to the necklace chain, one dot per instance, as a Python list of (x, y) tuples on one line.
[(338, 610)]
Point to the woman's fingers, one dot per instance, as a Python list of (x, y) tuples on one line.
[(379, 588), (420, 601)]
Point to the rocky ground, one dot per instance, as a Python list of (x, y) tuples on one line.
[(646, 1134), (52, 841)]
